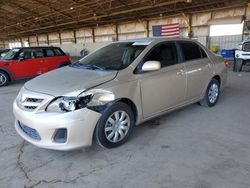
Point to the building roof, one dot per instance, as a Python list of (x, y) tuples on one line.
[(28, 17)]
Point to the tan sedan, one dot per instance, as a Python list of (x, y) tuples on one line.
[(108, 92)]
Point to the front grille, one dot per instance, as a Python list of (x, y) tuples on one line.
[(246, 46), (34, 100), (30, 104), (32, 133), (30, 107)]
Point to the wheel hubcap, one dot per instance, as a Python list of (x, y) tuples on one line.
[(3, 79), (117, 126), (213, 93)]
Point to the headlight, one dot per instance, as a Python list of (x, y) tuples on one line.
[(99, 97), (89, 98)]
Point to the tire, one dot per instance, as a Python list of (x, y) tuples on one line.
[(4, 79), (212, 94), (238, 65), (110, 132)]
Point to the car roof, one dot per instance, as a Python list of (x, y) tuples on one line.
[(34, 47), (151, 39)]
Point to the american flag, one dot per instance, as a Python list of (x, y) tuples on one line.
[(167, 30)]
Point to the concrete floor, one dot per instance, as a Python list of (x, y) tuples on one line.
[(195, 147)]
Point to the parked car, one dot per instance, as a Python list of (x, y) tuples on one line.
[(242, 55), (108, 92), (30, 61)]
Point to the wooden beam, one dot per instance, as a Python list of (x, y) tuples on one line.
[(116, 32), (93, 34), (60, 38), (74, 33), (21, 40), (47, 36), (146, 28), (29, 40), (37, 40)]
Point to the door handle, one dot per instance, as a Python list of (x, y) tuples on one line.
[(180, 72)]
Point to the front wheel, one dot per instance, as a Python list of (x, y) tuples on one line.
[(115, 125), (4, 79), (212, 94)]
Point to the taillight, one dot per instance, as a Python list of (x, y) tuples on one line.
[(226, 63)]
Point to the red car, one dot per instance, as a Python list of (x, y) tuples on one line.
[(29, 62)]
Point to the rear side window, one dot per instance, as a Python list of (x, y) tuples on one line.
[(38, 53), (192, 51), (203, 53), (49, 52), (58, 52)]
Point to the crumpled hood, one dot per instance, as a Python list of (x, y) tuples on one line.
[(69, 80)]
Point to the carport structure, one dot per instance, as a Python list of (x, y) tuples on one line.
[(31, 17), (193, 147)]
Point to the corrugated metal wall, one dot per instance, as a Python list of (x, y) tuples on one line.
[(226, 42)]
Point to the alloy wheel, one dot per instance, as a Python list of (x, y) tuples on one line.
[(213, 93), (3, 79)]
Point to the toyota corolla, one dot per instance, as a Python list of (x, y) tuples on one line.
[(105, 94)]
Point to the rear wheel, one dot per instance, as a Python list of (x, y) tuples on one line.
[(4, 79), (238, 65), (212, 94), (115, 126)]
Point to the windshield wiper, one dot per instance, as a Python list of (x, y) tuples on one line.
[(87, 66)]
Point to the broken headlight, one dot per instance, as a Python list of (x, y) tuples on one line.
[(89, 98)]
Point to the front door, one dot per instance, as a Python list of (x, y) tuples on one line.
[(26, 64), (166, 88)]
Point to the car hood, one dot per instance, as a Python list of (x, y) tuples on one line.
[(68, 81)]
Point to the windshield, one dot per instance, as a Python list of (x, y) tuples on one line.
[(11, 54), (115, 56)]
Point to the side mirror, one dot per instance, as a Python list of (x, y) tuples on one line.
[(21, 58), (151, 66)]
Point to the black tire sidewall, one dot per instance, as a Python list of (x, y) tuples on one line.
[(7, 78), (213, 81), (239, 64), (99, 130)]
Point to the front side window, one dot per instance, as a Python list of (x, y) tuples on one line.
[(191, 51), (26, 54), (115, 56), (58, 52), (165, 53)]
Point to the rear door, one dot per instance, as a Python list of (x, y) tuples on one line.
[(50, 58), (38, 56), (198, 69), (54, 57)]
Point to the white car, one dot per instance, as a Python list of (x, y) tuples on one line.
[(242, 55)]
